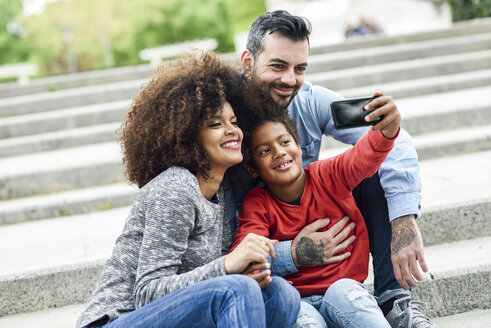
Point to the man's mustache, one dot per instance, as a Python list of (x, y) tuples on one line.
[(284, 86)]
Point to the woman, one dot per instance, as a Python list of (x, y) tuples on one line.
[(168, 267)]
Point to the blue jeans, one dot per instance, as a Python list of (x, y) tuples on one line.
[(346, 303), (226, 301), (371, 202)]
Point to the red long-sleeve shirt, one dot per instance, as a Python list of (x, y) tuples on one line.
[(327, 194)]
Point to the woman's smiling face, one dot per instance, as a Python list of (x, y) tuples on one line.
[(221, 138)]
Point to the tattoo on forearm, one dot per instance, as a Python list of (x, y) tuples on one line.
[(309, 254), (403, 233)]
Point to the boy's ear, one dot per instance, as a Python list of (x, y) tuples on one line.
[(253, 173)]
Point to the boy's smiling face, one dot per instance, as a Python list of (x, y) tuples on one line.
[(277, 158)]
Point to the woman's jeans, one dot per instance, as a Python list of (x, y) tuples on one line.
[(226, 301), (346, 303)]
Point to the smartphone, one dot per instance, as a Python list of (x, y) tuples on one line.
[(349, 113)]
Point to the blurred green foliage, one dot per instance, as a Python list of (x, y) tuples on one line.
[(12, 46), (469, 9), (103, 33)]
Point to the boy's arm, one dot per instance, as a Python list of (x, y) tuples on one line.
[(252, 218), (359, 162), (399, 173)]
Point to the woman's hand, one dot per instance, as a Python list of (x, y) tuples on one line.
[(252, 249), (259, 272)]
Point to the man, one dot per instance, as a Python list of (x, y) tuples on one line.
[(276, 56)]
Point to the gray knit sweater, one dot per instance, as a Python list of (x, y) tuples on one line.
[(173, 237)]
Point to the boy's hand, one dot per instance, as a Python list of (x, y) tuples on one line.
[(392, 119), (313, 248), (263, 277)]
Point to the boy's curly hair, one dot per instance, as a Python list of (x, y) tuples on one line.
[(162, 126), (258, 110)]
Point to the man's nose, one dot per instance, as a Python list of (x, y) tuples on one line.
[(288, 77)]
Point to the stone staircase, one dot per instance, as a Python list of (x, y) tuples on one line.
[(64, 200)]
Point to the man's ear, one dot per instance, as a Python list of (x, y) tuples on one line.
[(247, 60), (252, 172)]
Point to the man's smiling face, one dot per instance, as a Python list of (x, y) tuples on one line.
[(280, 65)]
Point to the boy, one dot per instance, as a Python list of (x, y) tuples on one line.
[(293, 195)]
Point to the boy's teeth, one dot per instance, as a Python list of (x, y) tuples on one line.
[(283, 165)]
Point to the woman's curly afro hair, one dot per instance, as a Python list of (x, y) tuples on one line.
[(162, 126)]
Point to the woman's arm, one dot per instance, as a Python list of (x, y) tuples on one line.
[(170, 216)]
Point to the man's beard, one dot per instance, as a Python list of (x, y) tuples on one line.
[(283, 101)]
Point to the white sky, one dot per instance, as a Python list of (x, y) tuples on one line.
[(35, 7)]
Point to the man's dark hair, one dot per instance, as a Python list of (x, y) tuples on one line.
[(295, 28)]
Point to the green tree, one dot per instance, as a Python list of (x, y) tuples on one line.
[(13, 47), (469, 9), (112, 32), (184, 20), (243, 13)]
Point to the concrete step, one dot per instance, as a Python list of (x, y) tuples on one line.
[(55, 120), (446, 111), (336, 80), (67, 316), (86, 240), (453, 142), (80, 201), (49, 141), (399, 52), (62, 317), (57, 262), (54, 171), (440, 217), (63, 258), (476, 26), (83, 96), (403, 70), (451, 180), (459, 277), (84, 79), (471, 319), (77, 80), (452, 266), (66, 203), (434, 145), (425, 86)]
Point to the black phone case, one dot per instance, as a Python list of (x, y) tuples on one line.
[(349, 113)]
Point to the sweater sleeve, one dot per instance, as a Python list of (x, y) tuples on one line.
[(252, 217), (170, 216), (360, 161)]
